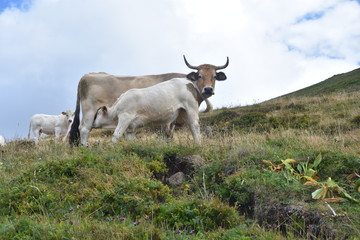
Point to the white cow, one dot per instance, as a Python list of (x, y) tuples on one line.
[(161, 104), (58, 125), (2, 141), (99, 89)]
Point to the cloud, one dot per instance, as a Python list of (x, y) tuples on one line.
[(274, 47)]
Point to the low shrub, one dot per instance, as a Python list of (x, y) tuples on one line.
[(28, 198), (26, 229), (250, 120), (197, 215), (133, 198)]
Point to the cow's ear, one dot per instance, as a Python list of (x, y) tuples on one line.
[(193, 76), (63, 113), (220, 76), (104, 109)]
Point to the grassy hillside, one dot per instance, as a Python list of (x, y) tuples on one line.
[(284, 169), (345, 82)]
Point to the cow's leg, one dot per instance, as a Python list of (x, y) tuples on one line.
[(37, 133), (123, 123), (57, 133), (192, 119), (169, 127), (169, 130), (67, 133), (86, 126)]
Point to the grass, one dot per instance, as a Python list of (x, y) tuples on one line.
[(120, 191), (345, 82)]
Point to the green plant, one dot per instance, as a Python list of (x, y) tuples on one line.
[(308, 171), (328, 191), (302, 170)]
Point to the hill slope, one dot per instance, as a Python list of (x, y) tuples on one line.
[(347, 82), (281, 169)]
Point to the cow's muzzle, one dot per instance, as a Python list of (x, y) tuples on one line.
[(208, 91)]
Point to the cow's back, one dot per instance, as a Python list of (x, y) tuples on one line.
[(98, 89), (157, 99), (44, 122)]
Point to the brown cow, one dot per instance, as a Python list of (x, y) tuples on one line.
[(99, 89)]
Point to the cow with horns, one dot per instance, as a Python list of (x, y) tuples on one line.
[(100, 89)]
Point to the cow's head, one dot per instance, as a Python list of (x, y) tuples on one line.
[(104, 119), (205, 77), (69, 114)]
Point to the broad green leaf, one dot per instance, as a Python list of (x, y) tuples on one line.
[(317, 161), (317, 194), (299, 168), (287, 165), (348, 196)]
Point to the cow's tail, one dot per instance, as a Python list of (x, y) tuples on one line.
[(29, 130), (74, 138), (209, 106)]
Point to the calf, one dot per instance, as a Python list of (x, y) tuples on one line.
[(2, 141), (161, 104), (58, 125), (99, 89)]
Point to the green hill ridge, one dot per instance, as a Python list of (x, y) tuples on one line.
[(345, 82)]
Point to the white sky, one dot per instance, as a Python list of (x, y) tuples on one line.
[(275, 47)]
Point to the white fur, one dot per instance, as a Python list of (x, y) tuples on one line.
[(58, 125), (2, 141), (161, 104)]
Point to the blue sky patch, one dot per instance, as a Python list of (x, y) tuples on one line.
[(311, 16), (23, 5)]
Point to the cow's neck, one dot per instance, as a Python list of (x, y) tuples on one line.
[(193, 88), (197, 94)]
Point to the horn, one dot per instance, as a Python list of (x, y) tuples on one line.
[(190, 66), (224, 66)]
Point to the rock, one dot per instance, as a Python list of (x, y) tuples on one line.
[(177, 179)]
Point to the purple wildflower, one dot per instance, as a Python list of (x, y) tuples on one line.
[(108, 219), (137, 223), (178, 231), (71, 209), (64, 219), (122, 218), (192, 231)]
